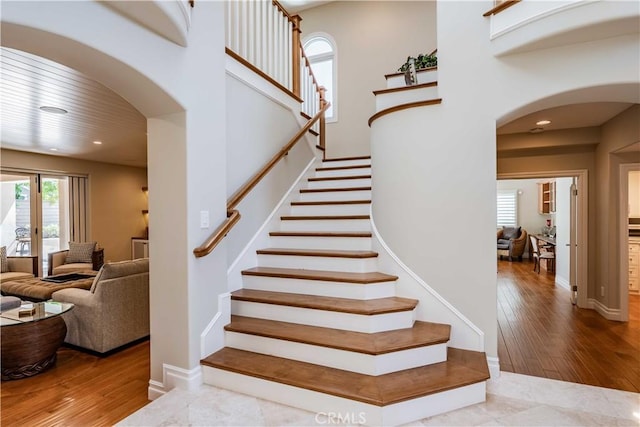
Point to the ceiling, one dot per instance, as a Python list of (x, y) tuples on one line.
[(95, 113)]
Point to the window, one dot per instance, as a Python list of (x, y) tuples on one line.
[(507, 208), (322, 55)]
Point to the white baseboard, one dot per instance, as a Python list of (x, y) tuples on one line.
[(494, 366), (175, 377), (606, 312), (212, 338)]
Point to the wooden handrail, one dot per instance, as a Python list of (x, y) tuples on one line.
[(283, 10), (233, 216), (209, 245), (246, 188), (500, 6)]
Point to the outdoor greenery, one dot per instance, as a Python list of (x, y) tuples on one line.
[(50, 192)]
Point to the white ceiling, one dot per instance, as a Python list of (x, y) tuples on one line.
[(95, 113)]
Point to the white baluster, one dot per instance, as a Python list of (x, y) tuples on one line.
[(251, 32), (288, 57)]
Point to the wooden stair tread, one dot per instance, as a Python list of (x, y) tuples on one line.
[(339, 168), (326, 190), (332, 202), (343, 305), (422, 334), (321, 217), (339, 178), (340, 159), (461, 369), (327, 276), (319, 234), (318, 253)]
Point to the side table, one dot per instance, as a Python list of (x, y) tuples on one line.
[(30, 343)]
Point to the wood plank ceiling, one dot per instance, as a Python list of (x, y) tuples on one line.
[(94, 113)]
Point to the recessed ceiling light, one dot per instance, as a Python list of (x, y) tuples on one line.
[(53, 149), (536, 130), (97, 142), (54, 110), (543, 122)]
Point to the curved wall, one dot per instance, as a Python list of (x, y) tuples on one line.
[(434, 168)]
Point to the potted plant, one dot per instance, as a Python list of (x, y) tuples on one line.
[(414, 64)]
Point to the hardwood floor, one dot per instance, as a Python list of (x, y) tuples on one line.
[(81, 390), (541, 333)]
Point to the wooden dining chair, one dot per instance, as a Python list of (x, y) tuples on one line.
[(538, 255)]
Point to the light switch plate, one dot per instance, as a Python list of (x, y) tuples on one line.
[(204, 219)]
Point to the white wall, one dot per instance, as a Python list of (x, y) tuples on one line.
[(373, 38), (259, 125), (434, 197)]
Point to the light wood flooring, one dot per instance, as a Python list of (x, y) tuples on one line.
[(81, 390), (541, 333)]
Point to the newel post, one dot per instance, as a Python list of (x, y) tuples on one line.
[(295, 54), (322, 91)]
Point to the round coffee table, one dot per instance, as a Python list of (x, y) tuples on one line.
[(30, 342)]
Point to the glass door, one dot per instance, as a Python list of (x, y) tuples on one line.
[(18, 214), (53, 206), (35, 215)]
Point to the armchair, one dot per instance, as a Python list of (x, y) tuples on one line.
[(60, 264), (20, 267), (512, 242)]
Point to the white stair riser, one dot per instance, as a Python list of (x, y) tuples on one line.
[(335, 243), (343, 172), (339, 359), (354, 225), (345, 209), (326, 319), (320, 287), (423, 77), (349, 265), (351, 412), (335, 196), (341, 163), (339, 183), (388, 100)]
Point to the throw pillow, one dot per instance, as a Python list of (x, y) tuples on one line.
[(3, 260), (80, 252)]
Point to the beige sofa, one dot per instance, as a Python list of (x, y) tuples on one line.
[(114, 312), (20, 267)]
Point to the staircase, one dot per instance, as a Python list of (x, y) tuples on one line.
[(316, 326)]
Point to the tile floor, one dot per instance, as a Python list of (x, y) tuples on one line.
[(512, 400)]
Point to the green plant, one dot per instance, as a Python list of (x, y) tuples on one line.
[(50, 230), (422, 61)]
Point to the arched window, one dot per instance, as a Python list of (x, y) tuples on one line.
[(320, 49)]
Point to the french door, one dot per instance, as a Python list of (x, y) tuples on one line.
[(35, 215)]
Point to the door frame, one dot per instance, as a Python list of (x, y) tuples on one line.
[(582, 226), (623, 237)]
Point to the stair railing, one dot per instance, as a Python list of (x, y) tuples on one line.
[(233, 215), (266, 38)]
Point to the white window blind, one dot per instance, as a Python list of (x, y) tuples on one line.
[(507, 208)]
